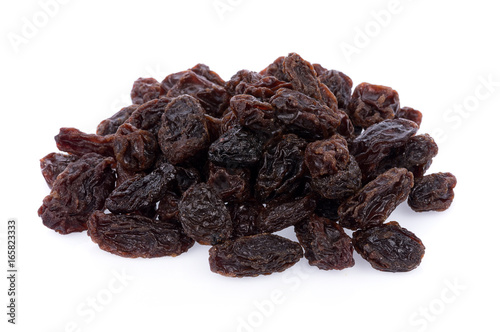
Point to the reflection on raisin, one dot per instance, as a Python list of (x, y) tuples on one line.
[(433, 192)]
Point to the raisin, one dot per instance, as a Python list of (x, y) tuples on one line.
[(371, 104), (186, 177), (338, 83), (79, 143), (410, 114), (204, 70), (141, 192), (276, 69), (302, 76), (325, 243), (144, 90), (242, 76), (282, 169), (335, 173), (236, 148), (378, 141), (376, 200), (254, 255), (110, 125), (327, 208), (148, 115), (79, 190), (135, 149), (433, 192), (246, 217), (253, 113), (204, 216), (263, 89), (305, 116), (231, 184), (279, 215), (389, 247), (168, 208), (54, 164), (213, 97), (183, 131), (137, 236)]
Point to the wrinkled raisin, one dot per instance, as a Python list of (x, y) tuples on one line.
[(79, 143), (144, 90), (54, 164), (135, 149), (433, 192)]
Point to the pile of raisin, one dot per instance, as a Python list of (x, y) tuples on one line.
[(228, 163)]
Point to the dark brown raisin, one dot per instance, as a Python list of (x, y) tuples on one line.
[(144, 90), (262, 89), (141, 192), (246, 217), (79, 190), (135, 149), (371, 104), (168, 208), (110, 125), (433, 192), (204, 216), (236, 148), (148, 115), (410, 114), (389, 247), (280, 215), (253, 113), (54, 164), (282, 169), (276, 69), (338, 83), (375, 201), (254, 255), (183, 131), (79, 143), (137, 236), (379, 141), (242, 76), (325, 243), (231, 184)]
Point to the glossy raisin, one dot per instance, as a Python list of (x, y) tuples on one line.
[(376, 200), (282, 169), (54, 164), (183, 132), (79, 143), (325, 243), (148, 115), (231, 184), (253, 113), (137, 236), (254, 255), (79, 190), (410, 114), (246, 217), (433, 192), (338, 83), (204, 216), (110, 125), (135, 149), (279, 215), (389, 247), (371, 104), (141, 192), (144, 90)]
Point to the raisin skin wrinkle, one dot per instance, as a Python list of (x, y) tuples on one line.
[(141, 192), (410, 114), (183, 132), (338, 83), (204, 216), (280, 215), (79, 190), (137, 236), (135, 149), (255, 255), (54, 164), (371, 104), (253, 113), (376, 200), (389, 247), (325, 243), (148, 115), (144, 90), (433, 192), (231, 184)]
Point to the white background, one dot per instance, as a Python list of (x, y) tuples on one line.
[(72, 64)]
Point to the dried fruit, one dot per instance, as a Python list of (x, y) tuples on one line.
[(325, 243), (77, 192), (250, 256), (375, 201), (204, 216), (54, 164), (76, 142), (110, 125), (137, 236), (144, 90), (389, 247), (433, 192), (135, 149)]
